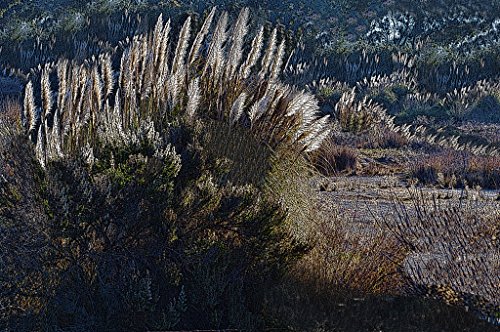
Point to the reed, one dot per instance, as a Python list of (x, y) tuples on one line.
[(94, 109)]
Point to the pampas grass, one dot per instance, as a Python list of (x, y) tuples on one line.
[(200, 36), (92, 109), (29, 109)]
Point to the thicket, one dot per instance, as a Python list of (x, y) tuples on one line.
[(153, 198)]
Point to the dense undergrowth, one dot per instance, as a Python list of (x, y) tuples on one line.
[(165, 209), (154, 242)]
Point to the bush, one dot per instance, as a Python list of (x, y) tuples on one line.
[(392, 140), (138, 243), (333, 286), (457, 169), (141, 212), (452, 252), (331, 158)]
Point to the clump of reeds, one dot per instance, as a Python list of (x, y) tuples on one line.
[(332, 158), (358, 116), (95, 102)]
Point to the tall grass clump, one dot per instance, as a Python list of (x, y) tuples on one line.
[(153, 89), (140, 190), (332, 158)]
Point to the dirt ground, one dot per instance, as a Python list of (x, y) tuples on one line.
[(359, 197)]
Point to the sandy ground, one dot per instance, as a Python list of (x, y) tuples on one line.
[(358, 197)]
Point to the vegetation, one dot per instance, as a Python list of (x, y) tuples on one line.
[(128, 179), (187, 173)]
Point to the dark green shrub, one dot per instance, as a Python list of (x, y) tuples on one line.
[(137, 245)]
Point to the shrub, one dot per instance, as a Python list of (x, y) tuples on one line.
[(381, 140), (457, 169), (335, 282), (392, 140), (487, 109), (453, 252), (347, 264), (330, 159), (141, 201), (135, 242)]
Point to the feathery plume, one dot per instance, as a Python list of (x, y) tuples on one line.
[(40, 150), (258, 109), (135, 63), (215, 52), (62, 72), (144, 61), (316, 133), (200, 36), (75, 79), (182, 45), (108, 75), (237, 108), (175, 85), (254, 54), (29, 111), (237, 39), (122, 82), (117, 117), (96, 88), (278, 61), (194, 97), (56, 134), (267, 60), (300, 101), (46, 92), (162, 63), (148, 77), (157, 37)]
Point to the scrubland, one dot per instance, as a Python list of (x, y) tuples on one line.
[(164, 169)]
